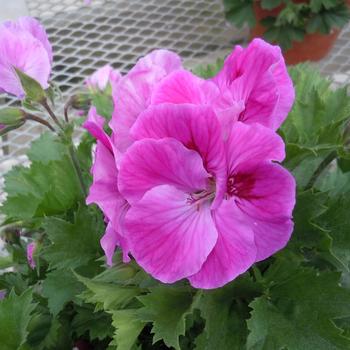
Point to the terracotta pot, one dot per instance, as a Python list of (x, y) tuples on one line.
[(314, 46)]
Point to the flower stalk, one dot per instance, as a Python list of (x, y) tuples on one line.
[(324, 164)]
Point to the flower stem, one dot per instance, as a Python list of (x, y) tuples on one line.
[(324, 164), (51, 113), (66, 109), (76, 165), (39, 120)]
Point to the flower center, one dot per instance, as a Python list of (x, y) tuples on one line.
[(232, 189)]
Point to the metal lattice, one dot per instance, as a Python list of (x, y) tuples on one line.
[(118, 32)]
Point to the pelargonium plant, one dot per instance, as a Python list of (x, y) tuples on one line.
[(202, 209)]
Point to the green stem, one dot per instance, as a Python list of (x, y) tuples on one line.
[(51, 113), (76, 165), (39, 120), (324, 164)]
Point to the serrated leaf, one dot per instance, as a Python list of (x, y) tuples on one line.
[(107, 296), (15, 315), (239, 12), (73, 244), (40, 190), (47, 148), (166, 307), (59, 287), (45, 333), (307, 233), (336, 220), (225, 314), (128, 327), (97, 324), (298, 312)]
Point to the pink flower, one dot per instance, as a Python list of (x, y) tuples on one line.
[(30, 254), (24, 45), (202, 208), (132, 95), (100, 79), (2, 294), (186, 187)]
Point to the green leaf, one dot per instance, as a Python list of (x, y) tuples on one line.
[(59, 287), (270, 4), (167, 307), (47, 148), (307, 233), (73, 244), (239, 12), (11, 116), (128, 327), (48, 187), (97, 324), (298, 311), (225, 313), (15, 315), (336, 220), (107, 296), (103, 103), (319, 112), (284, 35), (316, 5), (47, 333), (328, 19), (33, 90)]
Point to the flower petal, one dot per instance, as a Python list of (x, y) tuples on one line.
[(110, 241), (197, 127), (104, 75), (169, 237), (251, 144), (265, 191), (182, 86), (21, 50), (133, 92), (32, 26), (266, 195), (234, 251), (94, 125), (104, 189), (149, 163), (258, 76)]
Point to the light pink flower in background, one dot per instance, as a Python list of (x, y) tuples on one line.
[(23, 45), (30, 254), (2, 294), (132, 95), (102, 77), (188, 179)]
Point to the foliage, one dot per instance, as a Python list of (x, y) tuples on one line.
[(289, 21), (297, 299)]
